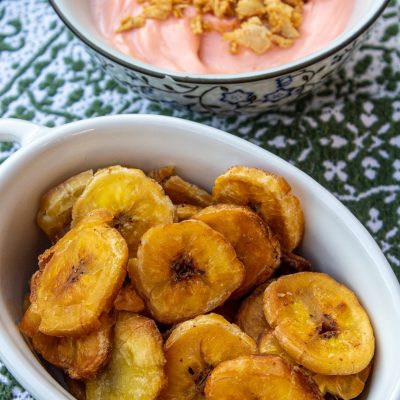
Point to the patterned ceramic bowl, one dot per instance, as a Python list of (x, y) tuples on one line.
[(245, 92)]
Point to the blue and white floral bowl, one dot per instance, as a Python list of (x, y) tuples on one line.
[(233, 93)]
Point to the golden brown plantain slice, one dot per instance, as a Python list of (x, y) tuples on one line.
[(83, 273), (319, 323), (185, 211), (80, 358), (129, 300), (255, 246), (161, 174), (76, 388), (184, 270), (136, 368), (181, 191), (135, 201), (261, 377), (250, 316), (54, 215), (195, 347), (269, 196), (345, 387)]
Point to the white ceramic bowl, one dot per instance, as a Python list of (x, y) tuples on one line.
[(334, 240), (233, 93)]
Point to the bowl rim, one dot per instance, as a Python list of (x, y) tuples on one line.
[(184, 77)]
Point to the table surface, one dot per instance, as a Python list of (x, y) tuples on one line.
[(346, 135)]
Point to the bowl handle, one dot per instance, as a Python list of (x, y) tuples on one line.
[(17, 130)]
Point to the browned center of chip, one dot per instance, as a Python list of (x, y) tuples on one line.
[(201, 377), (183, 268), (76, 272), (254, 206), (328, 327), (121, 221)]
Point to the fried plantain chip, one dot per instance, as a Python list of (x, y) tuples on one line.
[(253, 242), (194, 348), (136, 368), (80, 358), (185, 211), (185, 269), (135, 201), (269, 196), (345, 387), (161, 174), (83, 273), (250, 316), (319, 323), (55, 209), (180, 191), (260, 377)]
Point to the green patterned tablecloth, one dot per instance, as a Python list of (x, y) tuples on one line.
[(346, 135)]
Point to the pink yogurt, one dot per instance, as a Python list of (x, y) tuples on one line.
[(172, 45)]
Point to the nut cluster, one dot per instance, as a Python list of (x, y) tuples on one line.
[(252, 24)]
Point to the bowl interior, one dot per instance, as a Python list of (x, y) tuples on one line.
[(78, 15), (334, 240)]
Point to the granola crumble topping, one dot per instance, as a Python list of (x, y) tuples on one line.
[(256, 24)]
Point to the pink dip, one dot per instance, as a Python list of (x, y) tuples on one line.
[(172, 45)]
